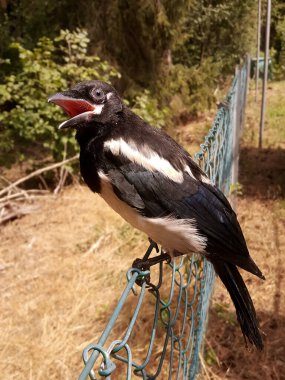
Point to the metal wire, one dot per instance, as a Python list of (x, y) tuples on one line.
[(179, 299)]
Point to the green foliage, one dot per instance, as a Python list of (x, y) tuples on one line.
[(26, 119), (211, 357), (220, 30), (236, 188), (147, 108), (223, 312), (278, 39), (189, 90)]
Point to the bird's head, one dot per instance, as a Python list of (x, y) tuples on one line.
[(88, 102)]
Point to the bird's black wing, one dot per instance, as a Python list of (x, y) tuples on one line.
[(154, 195)]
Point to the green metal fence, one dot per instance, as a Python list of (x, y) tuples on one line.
[(173, 312)]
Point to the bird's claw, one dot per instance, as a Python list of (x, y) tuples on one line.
[(153, 244), (146, 263)]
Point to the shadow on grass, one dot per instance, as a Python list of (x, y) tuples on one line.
[(225, 341), (262, 172)]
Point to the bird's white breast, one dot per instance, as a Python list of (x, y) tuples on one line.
[(173, 234)]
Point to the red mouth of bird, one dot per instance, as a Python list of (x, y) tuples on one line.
[(79, 110)]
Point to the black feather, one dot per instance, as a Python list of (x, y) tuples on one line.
[(240, 296), (192, 199)]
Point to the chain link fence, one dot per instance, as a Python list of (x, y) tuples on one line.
[(172, 313)]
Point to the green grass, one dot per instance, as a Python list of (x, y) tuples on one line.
[(275, 124), (274, 128)]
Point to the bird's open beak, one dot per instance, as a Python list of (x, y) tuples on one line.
[(79, 110)]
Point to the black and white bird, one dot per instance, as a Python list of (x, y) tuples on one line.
[(154, 184)]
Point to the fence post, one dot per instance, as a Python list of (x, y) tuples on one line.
[(246, 74), (236, 116)]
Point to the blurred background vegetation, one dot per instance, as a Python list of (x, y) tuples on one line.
[(169, 59)]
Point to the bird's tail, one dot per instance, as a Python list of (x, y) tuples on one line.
[(245, 311)]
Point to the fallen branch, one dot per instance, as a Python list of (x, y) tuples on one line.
[(14, 211), (63, 177), (13, 187), (25, 195), (12, 196), (62, 173), (36, 173)]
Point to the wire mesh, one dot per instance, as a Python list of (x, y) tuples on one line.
[(178, 301)]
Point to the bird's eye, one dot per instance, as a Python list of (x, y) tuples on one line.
[(98, 94)]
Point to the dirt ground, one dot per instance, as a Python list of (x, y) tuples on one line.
[(63, 268)]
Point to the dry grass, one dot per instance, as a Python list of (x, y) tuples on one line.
[(54, 295), (58, 288), (62, 272)]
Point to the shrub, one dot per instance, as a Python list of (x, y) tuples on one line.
[(27, 121), (188, 91), (146, 106)]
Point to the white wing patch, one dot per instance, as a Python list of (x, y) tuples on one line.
[(173, 234), (145, 157), (189, 171), (205, 179)]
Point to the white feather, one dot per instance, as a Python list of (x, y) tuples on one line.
[(205, 179), (98, 109), (173, 234), (145, 157), (189, 171)]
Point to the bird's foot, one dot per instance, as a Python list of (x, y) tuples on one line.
[(153, 245), (145, 263)]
